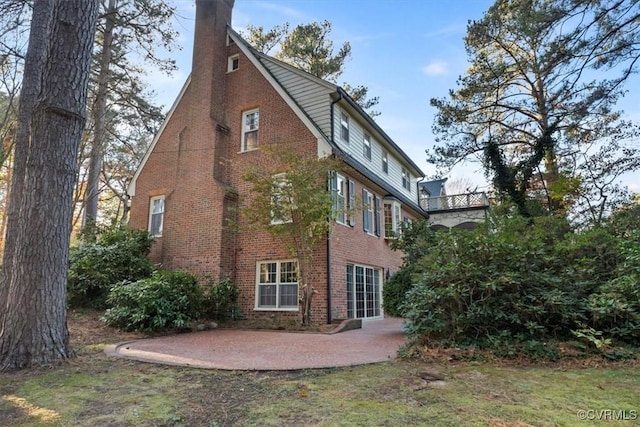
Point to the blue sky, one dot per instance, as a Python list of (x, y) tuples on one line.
[(405, 51)]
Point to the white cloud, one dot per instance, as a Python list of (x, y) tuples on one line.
[(436, 68)]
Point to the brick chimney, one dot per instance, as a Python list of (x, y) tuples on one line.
[(209, 54)]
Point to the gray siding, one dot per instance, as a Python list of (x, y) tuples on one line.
[(355, 147), (312, 96)]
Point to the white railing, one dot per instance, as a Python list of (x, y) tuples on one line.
[(456, 201)]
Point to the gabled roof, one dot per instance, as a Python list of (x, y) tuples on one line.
[(310, 98), (435, 187)]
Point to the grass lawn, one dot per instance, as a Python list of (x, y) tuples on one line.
[(94, 390)]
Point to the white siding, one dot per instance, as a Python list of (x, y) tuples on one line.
[(355, 149)]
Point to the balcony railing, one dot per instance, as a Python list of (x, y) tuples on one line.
[(454, 202)]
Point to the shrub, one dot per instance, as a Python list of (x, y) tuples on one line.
[(615, 307), (118, 254), (163, 301), (220, 300), (515, 284), (395, 290)]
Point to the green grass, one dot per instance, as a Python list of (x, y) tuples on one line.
[(97, 390)]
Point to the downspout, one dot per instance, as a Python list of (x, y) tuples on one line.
[(329, 315)]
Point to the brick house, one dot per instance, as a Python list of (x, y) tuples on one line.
[(188, 184)]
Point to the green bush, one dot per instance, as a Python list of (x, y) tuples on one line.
[(166, 300), (395, 290), (118, 254), (220, 300), (615, 307), (516, 283)]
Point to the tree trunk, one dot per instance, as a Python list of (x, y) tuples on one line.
[(31, 82), (33, 326), (99, 111)]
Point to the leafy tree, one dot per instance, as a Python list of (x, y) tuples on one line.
[(33, 298), (290, 201), (309, 48), (120, 105), (540, 95)]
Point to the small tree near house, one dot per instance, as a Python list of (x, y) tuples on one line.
[(292, 202)]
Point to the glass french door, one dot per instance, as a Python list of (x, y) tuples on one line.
[(363, 292)]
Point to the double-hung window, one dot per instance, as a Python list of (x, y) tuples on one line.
[(250, 126), (371, 213), (282, 203), (344, 198), (277, 285), (344, 127), (406, 179), (392, 219), (366, 147), (385, 162), (156, 215)]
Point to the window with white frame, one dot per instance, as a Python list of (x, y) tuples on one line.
[(250, 125), (282, 204), (364, 286), (156, 215), (277, 285), (366, 147), (344, 127), (367, 211), (233, 63), (392, 219), (371, 213), (339, 193), (385, 162), (406, 179)]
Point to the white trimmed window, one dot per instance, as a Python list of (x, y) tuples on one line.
[(364, 288), (385, 162), (277, 285), (233, 63), (392, 219), (406, 179), (366, 147), (344, 127), (250, 125), (339, 194), (282, 205), (371, 215), (156, 215)]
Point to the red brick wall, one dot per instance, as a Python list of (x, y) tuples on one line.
[(352, 245), (198, 166)]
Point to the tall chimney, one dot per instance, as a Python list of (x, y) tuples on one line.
[(209, 55)]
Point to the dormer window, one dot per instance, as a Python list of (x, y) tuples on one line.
[(233, 63)]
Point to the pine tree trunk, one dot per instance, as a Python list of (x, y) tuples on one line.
[(99, 112), (33, 326), (31, 83)]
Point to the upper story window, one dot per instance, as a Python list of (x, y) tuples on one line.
[(344, 127), (282, 205), (406, 179), (343, 193), (233, 63), (156, 215), (250, 125), (371, 213), (366, 147), (385, 162), (392, 219)]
